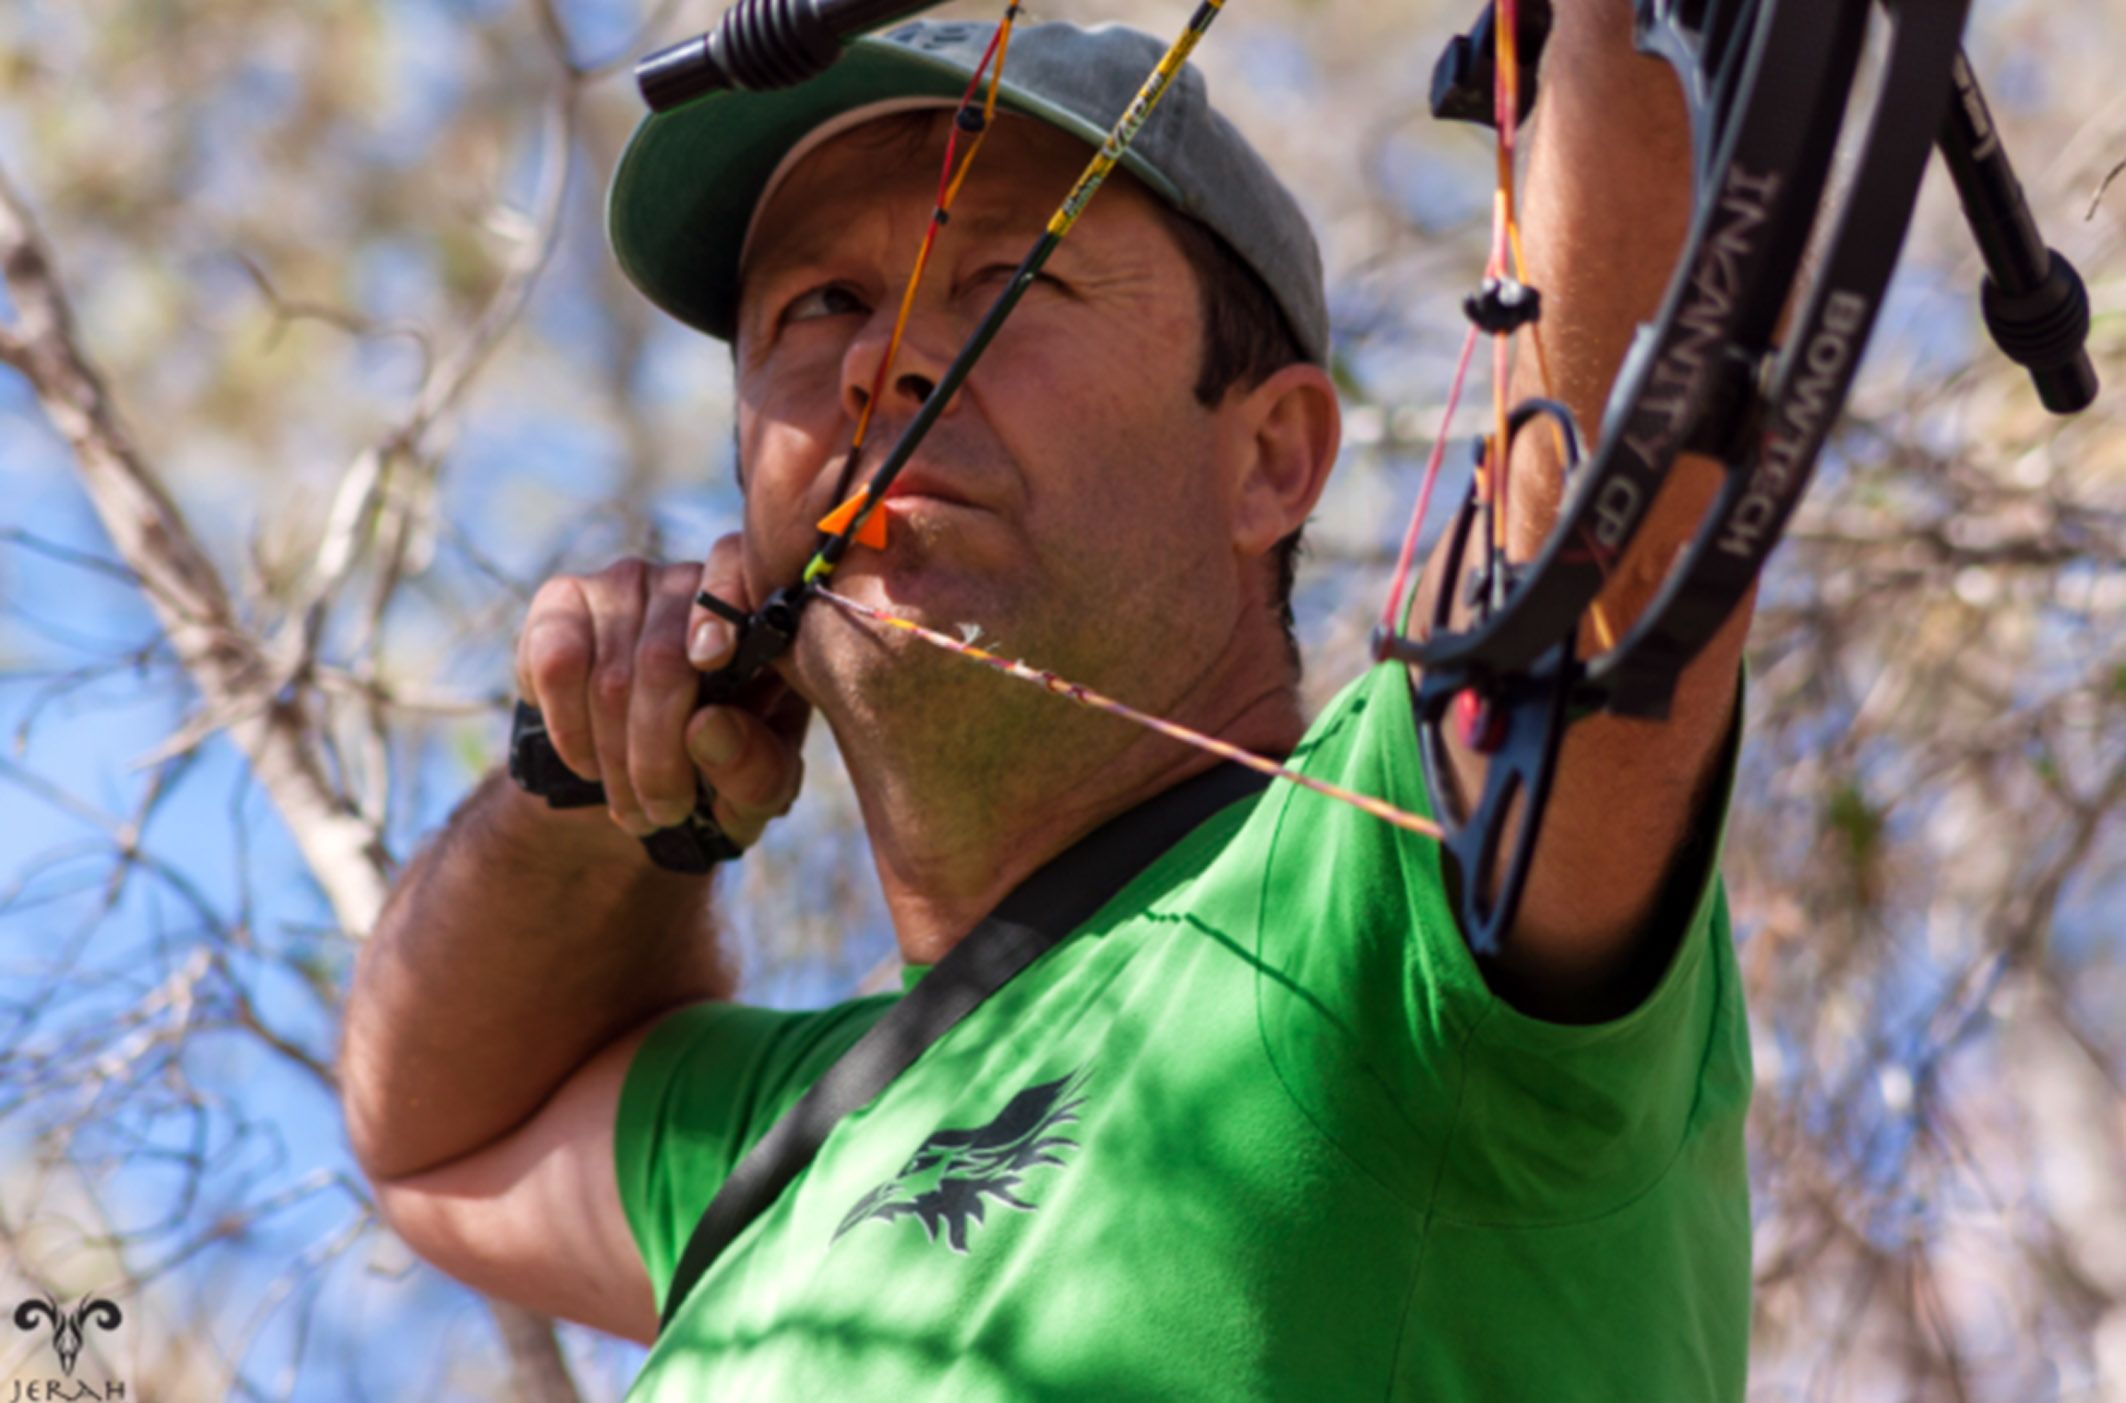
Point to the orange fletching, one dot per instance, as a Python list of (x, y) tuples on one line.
[(872, 533)]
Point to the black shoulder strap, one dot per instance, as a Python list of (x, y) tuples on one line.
[(1040, 911)]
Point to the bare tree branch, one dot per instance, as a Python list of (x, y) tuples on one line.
[(2097, 197), (345, 853), (185, 590)]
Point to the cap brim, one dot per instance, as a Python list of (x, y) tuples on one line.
[(686, 187)]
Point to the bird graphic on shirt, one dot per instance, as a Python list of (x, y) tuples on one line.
[(947, 1183)]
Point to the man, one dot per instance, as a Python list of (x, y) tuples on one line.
[(1262, 1126)]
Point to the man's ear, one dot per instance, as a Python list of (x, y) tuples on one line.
[(1286, 433)]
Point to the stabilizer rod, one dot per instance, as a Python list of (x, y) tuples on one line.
[(762, 44), (2034, 302)]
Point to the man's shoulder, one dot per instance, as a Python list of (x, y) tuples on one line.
[(1370, 721)]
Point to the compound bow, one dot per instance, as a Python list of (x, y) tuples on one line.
[(1768, 86)]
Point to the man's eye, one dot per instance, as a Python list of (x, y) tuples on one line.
[(829, 300)]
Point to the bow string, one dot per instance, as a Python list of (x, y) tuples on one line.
[(1516, 651)]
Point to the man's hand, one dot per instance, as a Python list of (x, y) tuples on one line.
[(525, 953), (614, 660)]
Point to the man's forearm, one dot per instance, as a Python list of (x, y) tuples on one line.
[(1607, 200), (518, 944), (1604, 203)]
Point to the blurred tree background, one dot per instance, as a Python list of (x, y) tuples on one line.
[(313, 364)]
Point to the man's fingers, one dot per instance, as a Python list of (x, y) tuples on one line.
[(711, 638), (666, 687), (787, 714), (614, 662), (554, 656), (755, 773), (617, 602)]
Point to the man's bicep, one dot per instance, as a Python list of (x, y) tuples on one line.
[(536, 1218)]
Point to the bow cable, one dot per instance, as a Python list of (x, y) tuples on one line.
[(1504, 305), (967, 119)]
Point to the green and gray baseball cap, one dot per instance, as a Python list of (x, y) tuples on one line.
[(691, 179)]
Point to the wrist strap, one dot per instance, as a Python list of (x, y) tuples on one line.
[(694, 845)]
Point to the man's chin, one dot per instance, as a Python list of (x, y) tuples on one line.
[(923, 588)]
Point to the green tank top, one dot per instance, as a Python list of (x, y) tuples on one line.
[(1257, 1129)]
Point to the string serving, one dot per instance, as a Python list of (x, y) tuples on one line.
[(1097, 701)]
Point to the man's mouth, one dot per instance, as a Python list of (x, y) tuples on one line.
[(917, 485)]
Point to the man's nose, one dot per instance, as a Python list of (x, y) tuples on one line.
[(916, 366)]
